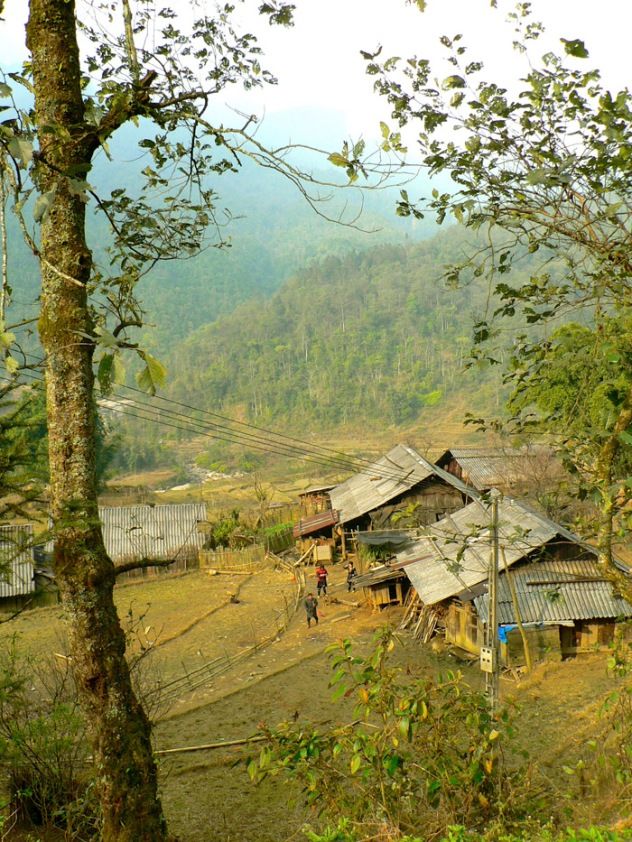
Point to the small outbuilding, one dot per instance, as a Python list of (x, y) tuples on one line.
[(162, 532), (383, 586)]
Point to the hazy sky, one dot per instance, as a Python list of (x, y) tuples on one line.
[(319, 65)]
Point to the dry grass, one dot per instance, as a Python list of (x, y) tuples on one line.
[(558, 707)]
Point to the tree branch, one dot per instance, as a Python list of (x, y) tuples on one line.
[(143, 564)]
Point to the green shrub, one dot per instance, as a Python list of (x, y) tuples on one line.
[(420, 754)]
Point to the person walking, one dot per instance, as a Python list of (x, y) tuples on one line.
[(311, 608), (351, 574), (321, 579)]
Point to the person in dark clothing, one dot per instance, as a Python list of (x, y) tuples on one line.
[(311, 609), (351, 574), (321, 579)]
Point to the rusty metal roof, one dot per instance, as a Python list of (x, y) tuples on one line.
[(160, 532), (395, 473), (555, 591), (314, 523), (16, 559), (453, 557)]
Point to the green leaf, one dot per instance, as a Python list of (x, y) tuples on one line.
[(105, 338), (11, 364), (404, 726), (6, 339), (338, 160), (453, 82), (5, 90), (153, 375), (22, 151), (356, 762), (104, 373), (118, 369), (575, 48)]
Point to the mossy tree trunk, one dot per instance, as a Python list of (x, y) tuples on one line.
[(127, 776)]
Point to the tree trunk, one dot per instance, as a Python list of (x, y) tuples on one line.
[(125, 768), (605, 473)]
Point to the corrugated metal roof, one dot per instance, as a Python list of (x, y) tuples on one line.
[(486, 468), (16, 559), (314, 523), (398, 471), (454, 556), (160, 532), (554, 591), (376, 575)]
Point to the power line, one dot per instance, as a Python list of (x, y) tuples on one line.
[(342, 460), (224, 433), (355, 462)]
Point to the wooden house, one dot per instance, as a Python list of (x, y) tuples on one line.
[(513, 471), (560, 593), (17, 565), (314, 500), (400, 490)]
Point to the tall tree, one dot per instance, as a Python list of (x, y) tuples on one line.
[(545, 169), (87, 311)]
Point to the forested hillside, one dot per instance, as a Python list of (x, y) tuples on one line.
[(371, 335), (267, 231)]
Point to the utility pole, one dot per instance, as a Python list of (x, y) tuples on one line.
[(489, 653)]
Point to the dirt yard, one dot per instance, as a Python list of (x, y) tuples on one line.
[(188, 625)]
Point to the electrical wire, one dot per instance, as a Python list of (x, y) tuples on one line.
[(355, 463), (316, 455)]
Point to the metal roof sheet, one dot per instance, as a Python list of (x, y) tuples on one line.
[(380, 537), (314, 523), (401, 469), (485, 468), (16, 559), (160, 532), (316, 489), (376, 575), (555, 591), (454, 556)]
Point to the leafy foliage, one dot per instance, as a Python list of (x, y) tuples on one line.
[(547, 168), (419, 753)]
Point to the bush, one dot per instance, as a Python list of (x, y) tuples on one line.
[(43, 746), (420, 755)]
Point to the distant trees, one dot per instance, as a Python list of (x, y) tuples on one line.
[(372, 336)]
